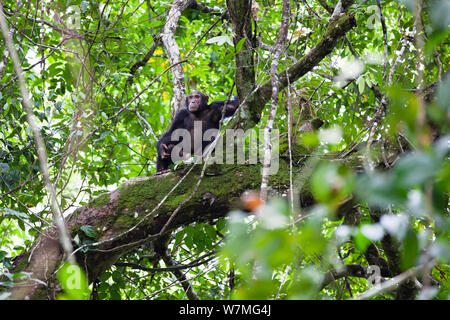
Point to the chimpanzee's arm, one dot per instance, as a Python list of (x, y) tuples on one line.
[(177, 123), (230, 107), (165, 143)]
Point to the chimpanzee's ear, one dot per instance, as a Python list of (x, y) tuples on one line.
[(187, 102), (206, 99)]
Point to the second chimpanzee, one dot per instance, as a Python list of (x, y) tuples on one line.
[(197, 109)]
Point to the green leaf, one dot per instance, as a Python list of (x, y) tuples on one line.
[(312, 240), (361, 84), (239, 45), (88, 231), (4, 167), (74, 282), (361, 241), (189, 242), (415, 169), (179, 237), (410, 250), (210, 232), (221, 224)]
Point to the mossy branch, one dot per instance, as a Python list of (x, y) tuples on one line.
[(135, 214)]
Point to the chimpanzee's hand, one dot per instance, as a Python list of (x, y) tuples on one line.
[(164, 150)]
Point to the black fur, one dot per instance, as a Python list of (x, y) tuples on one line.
[(210, 115)]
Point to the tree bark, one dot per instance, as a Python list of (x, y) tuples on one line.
[(137, 212)]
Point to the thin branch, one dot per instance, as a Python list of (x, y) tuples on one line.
[(420, 65), (439, 63), (404, 41), (326, 6), (193, 264), (200, 6), (290, 138), (150, 129), (181, 277), (206, 32), (143, 61)]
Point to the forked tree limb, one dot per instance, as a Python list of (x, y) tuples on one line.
[(133, 215), (256, 96)]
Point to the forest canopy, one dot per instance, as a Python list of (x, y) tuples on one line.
[(348, 198)]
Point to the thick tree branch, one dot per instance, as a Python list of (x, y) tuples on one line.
[(132, 215), (138, 212)]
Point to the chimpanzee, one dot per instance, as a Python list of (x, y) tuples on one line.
[(197, 109)]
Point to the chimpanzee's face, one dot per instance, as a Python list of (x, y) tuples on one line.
[(196, 101)]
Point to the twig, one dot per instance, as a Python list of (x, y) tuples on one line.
[(146, 123), (439, 63), (197, 263), (206, 32), (181, 277)]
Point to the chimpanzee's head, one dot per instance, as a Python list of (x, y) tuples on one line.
[(196, 101)]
